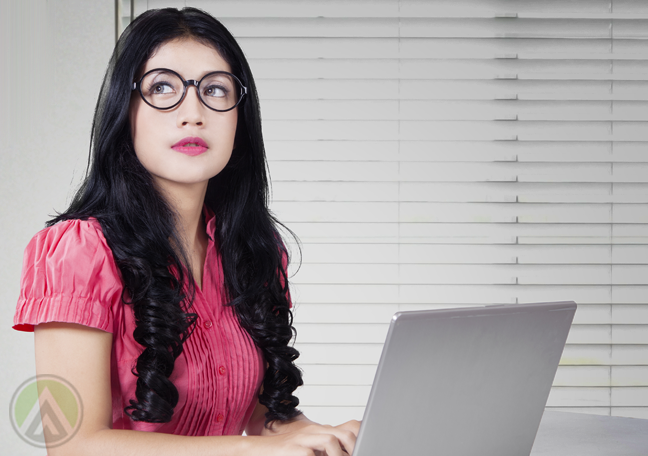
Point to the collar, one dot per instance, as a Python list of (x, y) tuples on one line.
[(210, 221)]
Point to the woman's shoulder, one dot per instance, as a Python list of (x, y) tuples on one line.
[(69, 233), (71, 249), (67, 267)]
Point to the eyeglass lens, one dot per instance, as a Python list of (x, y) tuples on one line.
[(164, 89)]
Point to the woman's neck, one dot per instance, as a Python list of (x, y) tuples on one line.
[(187, 202)]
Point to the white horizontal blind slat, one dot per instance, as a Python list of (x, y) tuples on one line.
[(452, 153)]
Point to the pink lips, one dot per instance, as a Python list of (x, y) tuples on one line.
[(190, 146)]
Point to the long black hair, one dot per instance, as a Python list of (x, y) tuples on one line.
[(140, 226)]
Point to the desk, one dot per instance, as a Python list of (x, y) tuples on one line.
[(576, 434)]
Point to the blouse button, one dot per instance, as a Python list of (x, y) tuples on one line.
[(220, 418), (221, 370), (208, 324)]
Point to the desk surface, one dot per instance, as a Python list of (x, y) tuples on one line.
[(576, 434)]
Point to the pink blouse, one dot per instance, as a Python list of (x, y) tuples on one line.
[(69, 275)]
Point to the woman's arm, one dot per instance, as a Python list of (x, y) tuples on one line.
[(345, 433), (81, 356)]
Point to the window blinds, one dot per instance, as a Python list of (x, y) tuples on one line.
[(457, 152)]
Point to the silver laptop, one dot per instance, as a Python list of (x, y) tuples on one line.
[(464, 382)]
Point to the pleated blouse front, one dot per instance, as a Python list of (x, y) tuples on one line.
[(69, 275)]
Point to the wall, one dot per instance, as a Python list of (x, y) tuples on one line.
[(53, 56)]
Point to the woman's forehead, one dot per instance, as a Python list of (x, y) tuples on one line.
[(189, 57)]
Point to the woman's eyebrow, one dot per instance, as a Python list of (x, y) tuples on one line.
[(211, 71), (198, 78)]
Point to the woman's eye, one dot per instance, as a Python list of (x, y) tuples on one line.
[(215, 91), (161, 88)]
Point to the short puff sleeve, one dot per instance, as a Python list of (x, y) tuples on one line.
[(69, 275)]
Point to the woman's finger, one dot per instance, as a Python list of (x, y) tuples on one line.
[(353, 426), (346, 439), (326, 444)]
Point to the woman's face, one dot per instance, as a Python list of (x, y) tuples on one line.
[(160, 137)]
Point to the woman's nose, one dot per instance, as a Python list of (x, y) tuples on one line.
[(191, 110)]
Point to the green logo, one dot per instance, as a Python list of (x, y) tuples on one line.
[(46, 408)]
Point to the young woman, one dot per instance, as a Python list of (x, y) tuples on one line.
[(161, 294)]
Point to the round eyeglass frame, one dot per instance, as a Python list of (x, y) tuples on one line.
[(187, 82)]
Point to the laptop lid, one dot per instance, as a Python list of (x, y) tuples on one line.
[(468, 381)]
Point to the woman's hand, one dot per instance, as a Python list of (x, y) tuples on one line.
[(319, 439)]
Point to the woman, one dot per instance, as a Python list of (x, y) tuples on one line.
[(161, 293)]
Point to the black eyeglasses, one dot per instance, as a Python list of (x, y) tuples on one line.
[(162, 88)]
